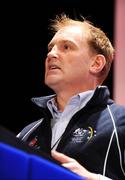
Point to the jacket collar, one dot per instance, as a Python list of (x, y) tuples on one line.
[(101, 92)]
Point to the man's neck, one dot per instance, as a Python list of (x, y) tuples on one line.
[(64, 95), (62, 99)]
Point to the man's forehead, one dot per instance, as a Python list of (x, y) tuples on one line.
[(71, 30)]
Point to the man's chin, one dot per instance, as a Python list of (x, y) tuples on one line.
[(52, 82)]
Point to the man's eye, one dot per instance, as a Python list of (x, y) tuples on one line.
[(49, 49), (66, 46)]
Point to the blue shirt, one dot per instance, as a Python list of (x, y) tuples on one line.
[(60, 120)]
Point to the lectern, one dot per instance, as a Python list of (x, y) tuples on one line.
[(19, 164)]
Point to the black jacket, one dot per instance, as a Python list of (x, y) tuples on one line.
[(95, 136)]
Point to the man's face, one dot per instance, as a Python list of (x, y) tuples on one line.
[(68, 60)]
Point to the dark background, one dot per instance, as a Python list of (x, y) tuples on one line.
[(24, 39)]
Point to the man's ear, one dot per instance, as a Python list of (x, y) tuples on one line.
[(97, 64)]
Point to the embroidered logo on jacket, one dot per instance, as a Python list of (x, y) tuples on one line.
[(80, 135)]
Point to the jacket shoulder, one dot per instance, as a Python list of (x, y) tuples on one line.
[(29, 128), (118, 113)]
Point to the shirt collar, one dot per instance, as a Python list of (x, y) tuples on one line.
[(79, 100), (43, 100), (101, 91)]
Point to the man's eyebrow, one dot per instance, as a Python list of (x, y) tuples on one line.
[(51, 44), (68, 41)]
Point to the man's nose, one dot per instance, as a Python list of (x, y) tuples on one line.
[(53, 53)]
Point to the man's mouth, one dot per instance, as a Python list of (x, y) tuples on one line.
[(53, 67)]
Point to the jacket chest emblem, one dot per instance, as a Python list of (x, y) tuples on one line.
[(83, 135)]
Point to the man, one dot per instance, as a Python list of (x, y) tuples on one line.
[(84, 126)]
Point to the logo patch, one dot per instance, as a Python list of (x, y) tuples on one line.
[(83, 135)]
